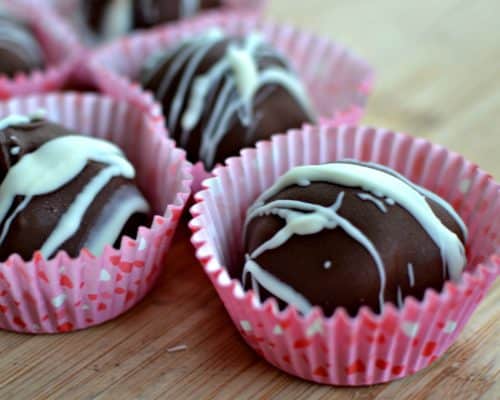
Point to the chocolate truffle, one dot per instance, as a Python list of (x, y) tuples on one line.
[(110, 18), (221, 94), (19, 49), (63, 191), (350, 234)]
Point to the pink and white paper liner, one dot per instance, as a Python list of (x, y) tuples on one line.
[(60, 46), (369, 348), (64, 294), (338, 81)]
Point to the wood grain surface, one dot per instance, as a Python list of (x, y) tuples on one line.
[(438, 76)]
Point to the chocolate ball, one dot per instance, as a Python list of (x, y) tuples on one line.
[(20, 51), (111, 18), (63, 191), (221, 94), (348, 235)]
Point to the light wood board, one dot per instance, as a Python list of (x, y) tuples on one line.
[(438, 66)]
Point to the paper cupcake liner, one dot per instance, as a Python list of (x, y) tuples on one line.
[(338, 81), (369, 348), (59, 43), (64, 294)]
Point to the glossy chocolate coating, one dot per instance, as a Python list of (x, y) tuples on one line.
[(331, 269), (274, 109), (19, 50), (30, 229)]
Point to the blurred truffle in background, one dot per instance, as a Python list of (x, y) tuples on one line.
[(110, 18)]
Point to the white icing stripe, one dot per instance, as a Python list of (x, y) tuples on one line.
[(307, 219), (427, 193), (246, 72), (210, 140), (378, 203), (301, 219), (117, 19), (8, 222), (16, 119), (13, 120), (276, 287), (383, 184), (187, 77), (280, 76), (411, 274), (201, 87), (115, 215), (70, 221), (189, 8)]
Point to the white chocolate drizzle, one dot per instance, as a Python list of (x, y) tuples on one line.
[(19, 120), (55, 164), (239, 74), (378, 203), (411, 275), (124, 203), (302, 218)]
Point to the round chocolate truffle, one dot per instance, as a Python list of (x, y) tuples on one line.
[(20, 52), (111, 18), (221, 94), (348, 235), (63, 191)]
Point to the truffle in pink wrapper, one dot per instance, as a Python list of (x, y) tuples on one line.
[(65, 294), (337, 80), (59, 45), (368, 348)]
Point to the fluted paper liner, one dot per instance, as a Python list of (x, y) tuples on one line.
[(60, 47), (369, 348), (337, 79), (64, 294)]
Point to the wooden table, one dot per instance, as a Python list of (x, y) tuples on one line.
[(438, 77)]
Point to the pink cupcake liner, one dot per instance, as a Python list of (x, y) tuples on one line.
[(64, 294), (338, 80), (59, 43), (369, 348)]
